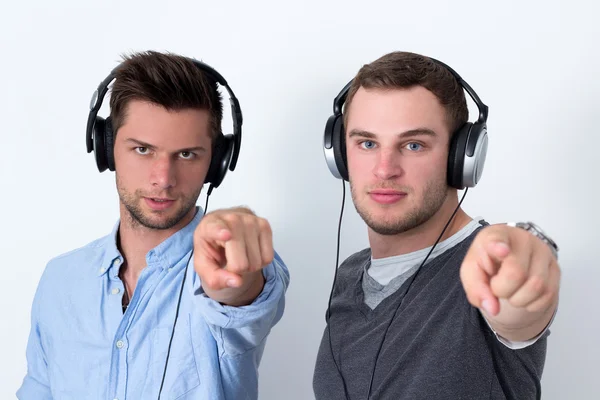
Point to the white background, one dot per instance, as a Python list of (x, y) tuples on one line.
[(535, 63)]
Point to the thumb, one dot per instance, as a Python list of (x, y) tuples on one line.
[(476, 283)]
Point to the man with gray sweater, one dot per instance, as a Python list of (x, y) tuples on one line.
[(441, 305)]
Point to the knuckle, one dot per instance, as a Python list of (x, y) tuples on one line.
[(539, 305), (530, 239), (241, 266), (532, 308), (232, 218), (253, 222), (263, 224), (558, 272), (514, 302), (515, 274), (537, 284), (268, 259)]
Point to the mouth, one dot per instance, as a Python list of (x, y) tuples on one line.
[(158, 203), (391, 192), (387, 196)]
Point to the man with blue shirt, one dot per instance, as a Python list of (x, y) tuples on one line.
[(172, 304)]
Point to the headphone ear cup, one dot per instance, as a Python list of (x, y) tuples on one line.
[(475, 154), (456, 156), (339, 147), (109, 144), (220, 160), (99, 144)]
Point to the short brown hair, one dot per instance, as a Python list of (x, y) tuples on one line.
[(403, 70), (170, 80)]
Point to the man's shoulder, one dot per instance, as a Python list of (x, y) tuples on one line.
[(463, 239), (88, 255), (73, 269), (356, 261)]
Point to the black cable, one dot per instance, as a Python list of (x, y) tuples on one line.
[(337, 259), (207, 197), (178, 305), (409, 285), (174, 323)]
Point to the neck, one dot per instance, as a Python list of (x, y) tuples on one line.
[(422, 236), (135, 240)]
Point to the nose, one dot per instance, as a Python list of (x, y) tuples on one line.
[(163, 173), (387, 165)]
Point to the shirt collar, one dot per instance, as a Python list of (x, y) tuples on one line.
[(167, 254)]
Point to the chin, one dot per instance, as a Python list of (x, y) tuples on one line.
[(142, 215), (161, 223)]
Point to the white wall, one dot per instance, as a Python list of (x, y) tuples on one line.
[(535, 63)]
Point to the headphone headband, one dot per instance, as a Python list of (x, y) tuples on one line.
[(483, 109), (340, 99), (100, 92)]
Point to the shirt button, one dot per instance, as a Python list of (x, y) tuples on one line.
[(120, 344), (117, 261), (102, 270), (115, 291)]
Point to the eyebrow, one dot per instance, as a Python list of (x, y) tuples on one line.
[(406, 134), (152, 147)]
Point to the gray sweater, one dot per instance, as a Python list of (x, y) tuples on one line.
[(437, 347)]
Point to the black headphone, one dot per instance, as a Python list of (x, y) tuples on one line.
[(100, 135), (468, 147)]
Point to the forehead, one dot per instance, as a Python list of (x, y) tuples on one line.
[(154, 124), (391, 111)]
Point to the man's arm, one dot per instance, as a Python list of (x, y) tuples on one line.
[(513, 277), (235, 245)]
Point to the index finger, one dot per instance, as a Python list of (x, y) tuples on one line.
[(213, 276), (476, 283)]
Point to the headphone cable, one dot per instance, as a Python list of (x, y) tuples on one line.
[(178, 305), (408, 288), (337, 258)]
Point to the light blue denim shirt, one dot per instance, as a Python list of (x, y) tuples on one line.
[(81, 345)]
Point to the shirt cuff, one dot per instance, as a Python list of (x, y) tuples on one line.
[(517, 345), (268, 301)]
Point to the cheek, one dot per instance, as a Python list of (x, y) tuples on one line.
[(193, 175), (359, 163), (359, 174), (123, 158), (427, 170), (130, 167)]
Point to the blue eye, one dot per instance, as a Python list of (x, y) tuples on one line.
[(414, 146), (368, 144)]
